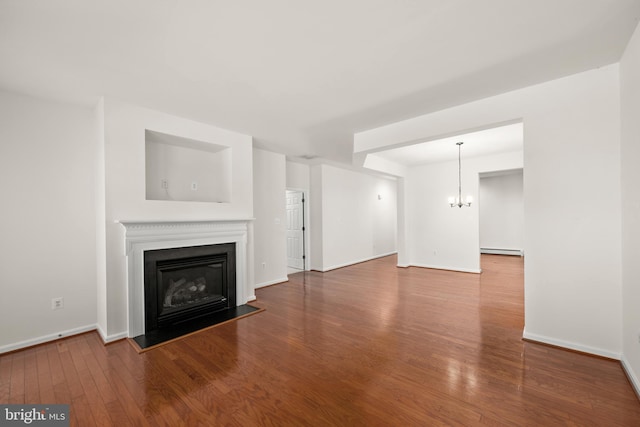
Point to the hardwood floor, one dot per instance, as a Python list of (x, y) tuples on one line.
[(369, 345)]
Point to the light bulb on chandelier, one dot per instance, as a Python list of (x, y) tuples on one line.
[(457, 201)]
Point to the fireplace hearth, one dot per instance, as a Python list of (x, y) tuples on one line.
[(184, 284)]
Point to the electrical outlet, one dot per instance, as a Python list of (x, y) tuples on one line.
[(164, 184), (57, 303), (264, 265), (194, 186)]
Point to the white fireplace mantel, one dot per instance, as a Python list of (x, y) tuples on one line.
[(141, 236)]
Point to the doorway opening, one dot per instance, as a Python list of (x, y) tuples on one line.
[(501, 212), (296, 231)]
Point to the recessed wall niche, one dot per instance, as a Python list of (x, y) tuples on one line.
[(187, 170)]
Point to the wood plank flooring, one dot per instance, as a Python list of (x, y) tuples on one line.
[(366, 345)]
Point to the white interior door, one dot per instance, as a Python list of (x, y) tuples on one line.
[(295, 229)]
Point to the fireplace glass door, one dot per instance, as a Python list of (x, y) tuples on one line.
[(183, 284)]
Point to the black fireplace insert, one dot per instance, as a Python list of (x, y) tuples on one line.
[(187, 283)]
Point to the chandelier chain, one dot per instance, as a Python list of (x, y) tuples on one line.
[(459, 175), (458, 202)]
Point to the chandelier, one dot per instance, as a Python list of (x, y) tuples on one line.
[(457, 201)]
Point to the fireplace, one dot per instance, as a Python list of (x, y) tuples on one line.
[(187, 283), (145, 237)]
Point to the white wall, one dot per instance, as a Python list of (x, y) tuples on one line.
[(270, 225), (298, 176), (356, 224), (502, 211), (48, 241), (630, 155), (572, 199), (124, 129), (316, 228), (100, 220), (440, 236)]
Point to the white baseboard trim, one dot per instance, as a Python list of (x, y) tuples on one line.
[(46, 338), (440, 267), (633, 379), (106, 339), (347, 264), (271, 282), (571, 345), (103, 336)]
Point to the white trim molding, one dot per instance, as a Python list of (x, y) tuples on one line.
[(271, 282), (440, 267), (571, 345), (141, 236), (633, 379), (106, 339), (47, 338), (346, 264)]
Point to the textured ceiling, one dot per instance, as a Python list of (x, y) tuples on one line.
[(302, 77)]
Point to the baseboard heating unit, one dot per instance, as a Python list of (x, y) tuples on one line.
[(517, 252)]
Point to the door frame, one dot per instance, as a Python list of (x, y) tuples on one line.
[(306, 261)]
